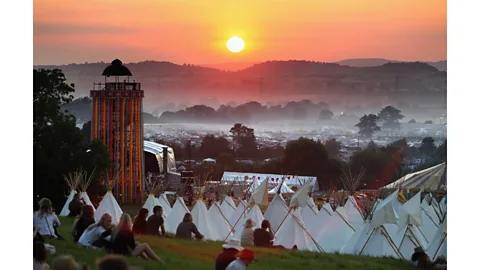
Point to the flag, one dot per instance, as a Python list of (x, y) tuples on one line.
[(299, 199)]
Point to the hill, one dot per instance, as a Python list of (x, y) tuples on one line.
[(181, 254), (371, 62), (273, 81)]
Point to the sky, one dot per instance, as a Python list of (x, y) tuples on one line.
[(196, 31)]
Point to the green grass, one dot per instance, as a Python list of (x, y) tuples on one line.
[(179, 254)]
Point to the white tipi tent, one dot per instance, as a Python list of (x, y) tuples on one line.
[(109, 205), (293, 232), (333, 233), (241, 209), (254, 214), (228, 207), (83, 184), (176, 215), (151, 201), (220, 222), (165, 204), (312, 205), (353, 213), (73, 180), (276, 211), (284, 189), (255, 184), (202, 221), (438, 246)]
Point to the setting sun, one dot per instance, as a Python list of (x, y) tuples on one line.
[(235, 44)]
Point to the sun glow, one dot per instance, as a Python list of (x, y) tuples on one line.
[(235, 44)]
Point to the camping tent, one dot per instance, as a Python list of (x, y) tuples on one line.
[(73, 180), (254, 214), (175, 217), (228, 207), (150, 203), (284, 189), (438, 246), (65, 211), (293, 232), (165, 204), (109, 205), (276, 211), (432, 178), (220, 221), (312, 205), (202, 221)]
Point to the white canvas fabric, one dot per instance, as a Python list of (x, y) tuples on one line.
[(311, 220), (312, 204), (220, 222), (65, 210), (429, 226), (411, 213), (150, 203), (176, 215), (84, 196), (333, 233), (352, 213), (358, 239), (109, 205), (254, 214), (327, 207), (438, 246), (255, 184), (241, 210), (276, 211), (284, 189), (379, 244), (430, 211), (202, 221), (409, 242), (293, 232), (299, 199), (228, 207), (163, 202), (260, 195)]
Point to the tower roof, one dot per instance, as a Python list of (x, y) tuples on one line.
[(116, 69)]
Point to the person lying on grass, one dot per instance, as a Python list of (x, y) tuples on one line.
[(155, 222), (123, 241), (140, 222), (186, 228), (46, 219), (97, 234), (82, 222)]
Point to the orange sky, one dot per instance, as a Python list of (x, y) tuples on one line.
[(195, 31)]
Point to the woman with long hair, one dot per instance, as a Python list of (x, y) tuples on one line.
[(123, 241), (140, 222), (186, 228), (97, 234), (82, 222), (46, 219)]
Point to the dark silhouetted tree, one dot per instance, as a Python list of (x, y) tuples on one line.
[(390, 116), (212, 146), (239, 132), (333, 147), (368, 125), (227, 160), (305, 157), (427, 148), (412, 121), (428, 122), (325, 114)]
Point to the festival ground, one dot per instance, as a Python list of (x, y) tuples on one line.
[(179, 254)]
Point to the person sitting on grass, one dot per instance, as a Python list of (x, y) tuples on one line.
[(155, 222), (423, 261), (97, 234), (82, 222), (244, 258), (123, 241), (114, 262), (186, 228), (75, 206), (46, 219), (247, 233), (140, 222), (228, 254), (263, 237), (67, 263), (40, 256)]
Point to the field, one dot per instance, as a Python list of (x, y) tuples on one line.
[(179, 254)]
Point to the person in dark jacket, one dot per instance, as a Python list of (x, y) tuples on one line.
[(75, 206), (155, 222), (140, 222), (186, 228), (228, 255), (123, 241), (82, 222)]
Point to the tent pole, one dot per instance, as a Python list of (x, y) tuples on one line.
[(289, 210), (235, 224)]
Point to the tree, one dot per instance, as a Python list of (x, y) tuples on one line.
[(212, 146), (333, 147), (412, 121), (86, 131), (427, 148), (243, 135), (368, 125), (305, 157), (227, 160), (428, 122), (326, 114), (390, 116), (58, 145)]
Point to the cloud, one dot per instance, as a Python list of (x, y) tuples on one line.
[(72, 29)]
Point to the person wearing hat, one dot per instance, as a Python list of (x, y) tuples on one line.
[(228, 254), (247, 233), (244, 258)]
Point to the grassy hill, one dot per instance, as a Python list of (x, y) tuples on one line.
[(179, 254)]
